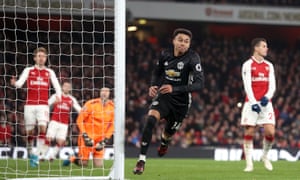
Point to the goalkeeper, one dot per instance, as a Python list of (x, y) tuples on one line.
[(96, 125)]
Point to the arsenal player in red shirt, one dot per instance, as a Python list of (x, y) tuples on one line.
[(36, 110), (259, 84), (60, 119)]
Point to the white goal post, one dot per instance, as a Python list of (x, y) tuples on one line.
[(120, 29)]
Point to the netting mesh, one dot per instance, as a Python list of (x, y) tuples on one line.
[(79, 36)]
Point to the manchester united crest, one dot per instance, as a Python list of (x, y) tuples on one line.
[(180, 65)]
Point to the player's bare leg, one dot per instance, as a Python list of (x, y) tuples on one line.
[(98, 162), (153, 117), (41, 140), (248, 147), (56, 148), (268, 141), (33, 159), (30, 140)]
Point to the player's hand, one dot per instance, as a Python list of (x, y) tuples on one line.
[(153, 91), (101, 145), (256, 108), (167, 88), (87, 140), (264, 101), (13, 80)]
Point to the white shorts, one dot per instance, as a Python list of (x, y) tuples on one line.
[(57, 130), (252, 118), (36, 115)]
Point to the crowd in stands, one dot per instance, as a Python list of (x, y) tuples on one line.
[(287, 3), (214, 116)]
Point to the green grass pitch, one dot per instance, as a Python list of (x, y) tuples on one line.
[(160, 169)]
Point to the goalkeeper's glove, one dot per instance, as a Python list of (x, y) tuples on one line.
[(264, 101), (100, 145), (87, 140), (256, 108)]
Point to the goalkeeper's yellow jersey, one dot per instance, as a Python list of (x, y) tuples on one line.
[(97, 119)]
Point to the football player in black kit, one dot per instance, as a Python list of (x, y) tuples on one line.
[(177, 73)]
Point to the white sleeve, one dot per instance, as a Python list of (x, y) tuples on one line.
[(52, 99), (272, 84), (20, 82), (76, 105), (246, 76), (55, 84)]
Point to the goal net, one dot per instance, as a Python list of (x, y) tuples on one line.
[(86, 48)]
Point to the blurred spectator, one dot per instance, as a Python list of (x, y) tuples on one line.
[(214, 115), (5, 131), (291, 3)]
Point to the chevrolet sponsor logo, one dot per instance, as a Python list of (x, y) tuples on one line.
[(172, 73)]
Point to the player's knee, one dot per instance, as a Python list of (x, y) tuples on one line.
[(60, 142), (249, 130), (30, 132), (43, 129), (154, 113), (269, 130), (84, 163), (98, 163)]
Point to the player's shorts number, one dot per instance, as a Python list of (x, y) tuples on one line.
[(176, 125), (270, 116)]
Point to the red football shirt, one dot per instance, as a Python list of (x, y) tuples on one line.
[(38, 84), (258, 79), (61, 110)]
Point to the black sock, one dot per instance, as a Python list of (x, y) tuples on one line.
[(147, 134), (165, 142), (167, 138)]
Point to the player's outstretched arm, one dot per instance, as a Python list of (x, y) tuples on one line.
[(76, 105), (246, 76), (109, 129), (272, 83), (110, 123), (81, 120), (55, 84), (52, 99), (19, 83)]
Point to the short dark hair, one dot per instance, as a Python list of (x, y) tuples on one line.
[(40, 49), (256, 42), (182, 31)]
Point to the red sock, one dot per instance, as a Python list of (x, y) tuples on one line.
[(269, 138), (30, 139), (248, 137), (47, 142), (42, 136)]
